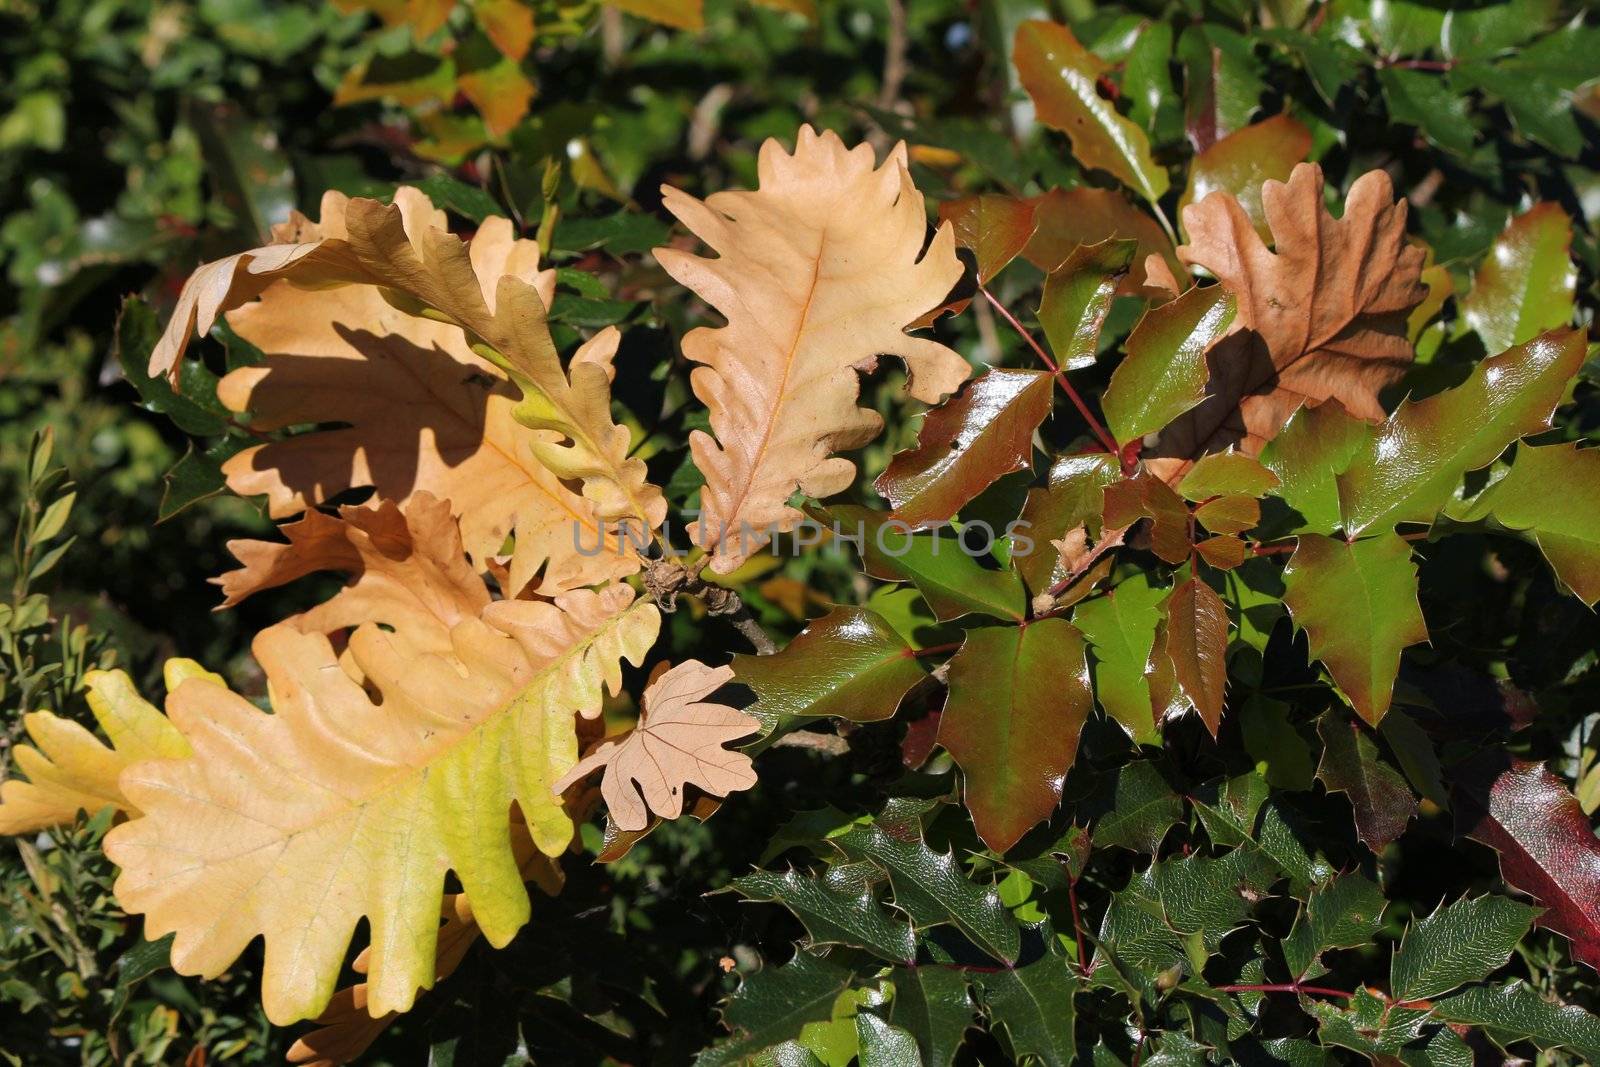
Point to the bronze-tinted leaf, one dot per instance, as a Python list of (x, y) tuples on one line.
[(1077, 297), (1146, 496), (1197, 644), (1019, 696), (1067, 511), (849, 664), (1062, 76), (966, 444), (1525, 285), (1067, 218), (1382, 801), (996, 227)]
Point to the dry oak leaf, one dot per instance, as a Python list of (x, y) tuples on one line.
[(72, 770), (406, 565), (678, 742), (1321, 316), (429, 404), (818, 272), (353, 801)]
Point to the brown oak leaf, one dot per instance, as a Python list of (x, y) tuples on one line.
[(405, 402), (678, 742), (1322, 315), (818, 272)]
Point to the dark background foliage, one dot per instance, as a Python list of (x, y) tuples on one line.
[(139, 138)]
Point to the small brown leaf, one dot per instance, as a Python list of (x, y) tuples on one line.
[(1321, 316), (678, 742), (1146, 496)]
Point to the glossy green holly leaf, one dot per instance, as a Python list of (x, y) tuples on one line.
[(1153, 100), (1372, 1026), (1357, 603), (1197, 644), (1413, 750), (193, 407), (1525, 284), (1164, 371), (1224, 473), (1380, 798), (1308, 455), (838, 907), (849, 664), (1222, 82), (1062, 77), (1134, 809), (1018, 699), (1238, 163), (1283, 838), (1121, 629), (1536, 83), (1033, 1005), (1281, 754), (933, 1005), (198, 474), (1135, 941), (950, 579), (1145, 496), (882, 1044), (1229, 808), (1073, 498), (1210, 897), (1518, 1012), (1461, 942), (1345, 913), (775, 1004), (1077, 298), (1551, 494), (1427, 100), (1412, 462), (931, 888), (967, 444)]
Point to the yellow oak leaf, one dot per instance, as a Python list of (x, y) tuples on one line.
[(347, 1028), (1322, 315), (353, 800), (71, 770), (430, 349), (818, 272), (678, 742)]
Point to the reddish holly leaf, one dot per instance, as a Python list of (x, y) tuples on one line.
[(1382, 801), (966, 444), (1224, 552), (1019, 696), (997, 228), (1197, 644), (1546, 844), (1064, 513), (1068, 218)]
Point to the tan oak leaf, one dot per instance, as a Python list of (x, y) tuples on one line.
[(430, 364), (678, 742), (818, 271), (1322, 314)]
